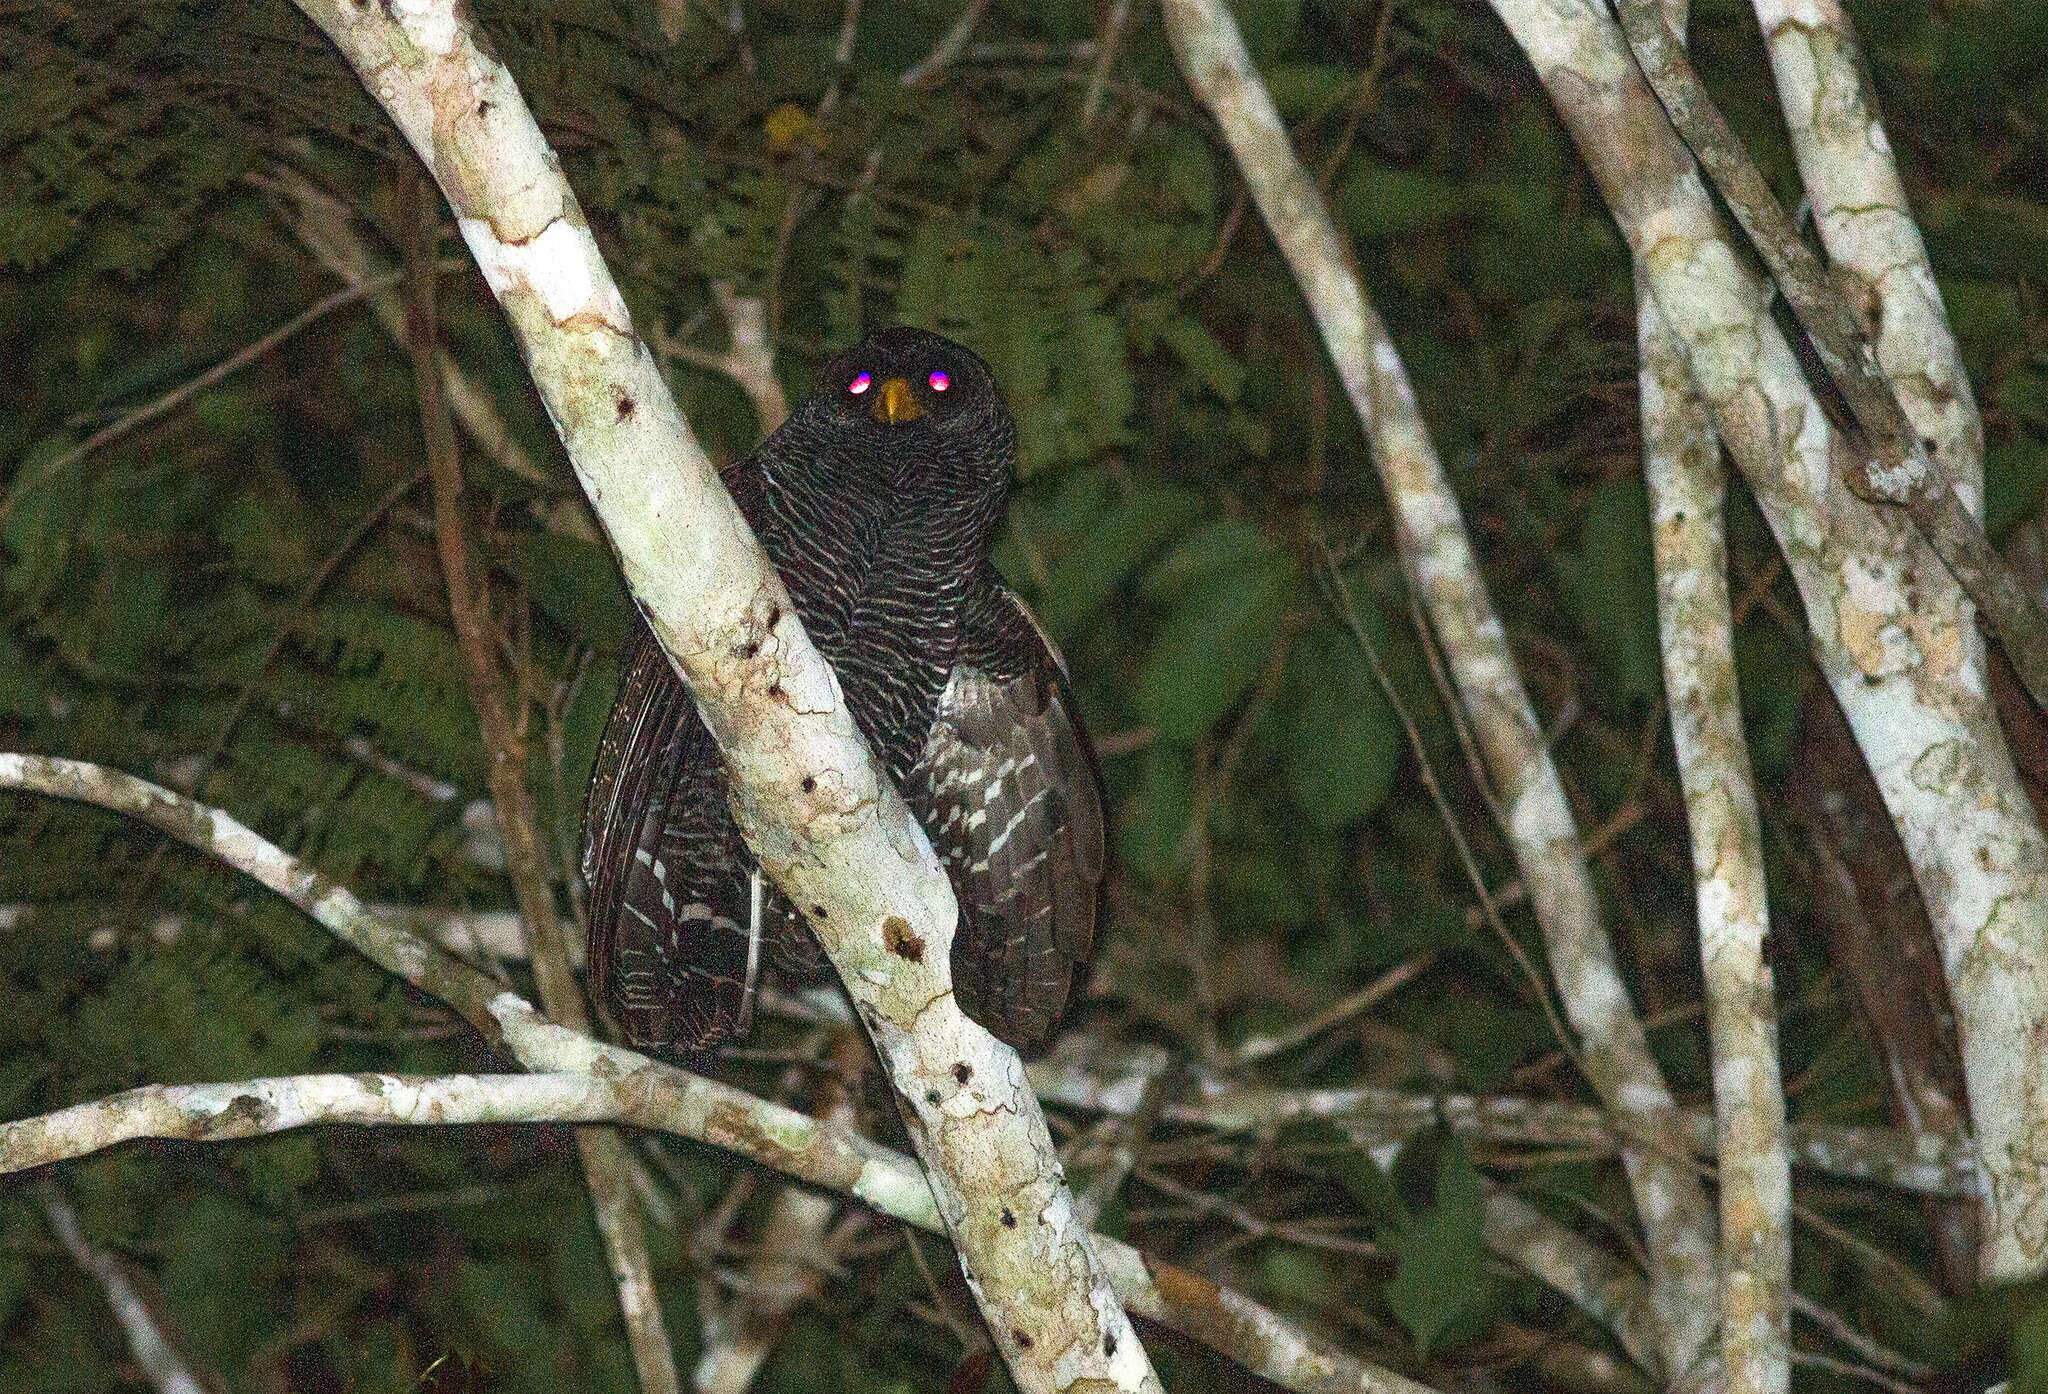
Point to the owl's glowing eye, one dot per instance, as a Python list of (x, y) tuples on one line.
[(939, 381), (861, 382)]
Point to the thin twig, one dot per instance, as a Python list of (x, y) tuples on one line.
[(1257, 1048), (151, 410), (602, 1152), (159, 1359), (1098, 81), (948, 47), (372, 517), (1347, 614)]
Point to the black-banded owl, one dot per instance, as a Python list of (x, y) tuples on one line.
[(877, 500)]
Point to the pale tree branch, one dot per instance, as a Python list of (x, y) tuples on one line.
[(1696, 627), (1880, 263), (1886, 457), (797, 1246), (602, 1151), (748, 360), (259, 1107), (824, 823), (1876, 253), (1687, 487), (1377, 1118), (1891, 630), (1092, 1076), (646, 1092), (1437, 556), (1606, 1289), (160, 1360), (325, 227), (796, 1241), (949, 47)]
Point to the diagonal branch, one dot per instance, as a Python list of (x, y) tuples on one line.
[(1437, 556), (160, 1360), (1901, 472), (647, 1092), (602, 1152), (324, 226), (1891, 630), (824, 823)]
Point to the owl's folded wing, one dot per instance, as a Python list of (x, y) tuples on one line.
[(673, 898), (1007, 789)]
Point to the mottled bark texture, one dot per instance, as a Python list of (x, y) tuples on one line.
[(1696, 629), (1377, 1118), (1884, 457), (1892, 631), (1880, 262), (828, 830), (1437, 555), (613, 1084)]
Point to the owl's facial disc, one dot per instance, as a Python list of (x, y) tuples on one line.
[(895, 404)]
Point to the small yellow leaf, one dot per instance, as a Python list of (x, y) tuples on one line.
[(786, 126)]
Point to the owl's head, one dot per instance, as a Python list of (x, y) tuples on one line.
[(923, 400)]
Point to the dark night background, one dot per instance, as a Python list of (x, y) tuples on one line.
[(179, 603)]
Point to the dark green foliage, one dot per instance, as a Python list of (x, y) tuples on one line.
[(1438, 1287), (1609, 585), (1186, 455)]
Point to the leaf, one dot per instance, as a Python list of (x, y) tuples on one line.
[(1095, 379), (2024, 393), (1610, 586), (576, 584), (219, 1270), (2015, 484), (1382, 202), (1343, 739), (21, 696), (41, 523), (1300, 89), (1110, 550), (1438, 1281), (1217, 641), (1372, 1188), (1225, 545), (1156, 821), (13, 1283), (1204, 355), (507, 1303)]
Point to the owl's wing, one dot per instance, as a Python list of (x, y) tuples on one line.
[(676, 906), (677, 909), (1008, 790)]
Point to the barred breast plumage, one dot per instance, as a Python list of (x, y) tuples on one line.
[(877, 500)]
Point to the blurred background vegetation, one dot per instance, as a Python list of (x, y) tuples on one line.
[(242, 593)]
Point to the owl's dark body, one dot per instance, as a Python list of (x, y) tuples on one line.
[(877, 501)]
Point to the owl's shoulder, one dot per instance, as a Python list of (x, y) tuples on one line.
[(1000, 635)]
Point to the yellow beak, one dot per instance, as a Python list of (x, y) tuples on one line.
[(895, 403)]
